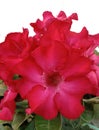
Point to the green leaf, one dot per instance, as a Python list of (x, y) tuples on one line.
[(66, 124), (2, 88), (5, 126), (31, 126), (42, 124), (18, 120), (96, 110), (2, 127), (96, 51), (21, 106), (73, 124), (95, 120), (91, 126), (87, 116), (28, 124)]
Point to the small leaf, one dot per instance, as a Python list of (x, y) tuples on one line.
[(2, 88), (28, 124), (2, 127), (96, 51), (87, 116), (5, 126), (16, 77), (18, 120), (96, 110), (31, 126), (95, 120), (66, 124), (91, 126), (42, 124), (73, 124)]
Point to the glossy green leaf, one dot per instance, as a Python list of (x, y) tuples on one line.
[(42, 124)]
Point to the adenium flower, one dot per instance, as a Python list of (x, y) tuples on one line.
[(87, 44), (53, 68), (59, 26), (13, 50), (61, 79), (62, 83), (16, 48), (7, 105)]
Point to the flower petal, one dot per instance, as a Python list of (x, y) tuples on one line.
[(78, 87), (5, 114), (12, 45), (36, 97), (78, 67), (69, 96), (22, 86), (41, 102), (29, 69), (7, 105), (51, 56), (69, 106)]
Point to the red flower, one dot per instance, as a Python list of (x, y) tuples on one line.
[(57, 71), (87, 44), (13, 50), (7, 106), (59, 26), (62, 84), (53, 68), (16, 48)]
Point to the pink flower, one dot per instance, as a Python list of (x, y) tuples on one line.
[(87, 44), (13, 50), (7, 105), (53, 68), (63, 81), (61, 74), (59, 26), (16, 48)]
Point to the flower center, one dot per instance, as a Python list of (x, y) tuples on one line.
[(53, 79)]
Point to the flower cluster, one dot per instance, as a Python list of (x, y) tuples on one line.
[(52, 70)]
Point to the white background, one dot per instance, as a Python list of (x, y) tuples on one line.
[(16, 14)]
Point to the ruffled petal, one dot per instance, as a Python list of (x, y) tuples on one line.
[(54, 27), (14, 44)]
